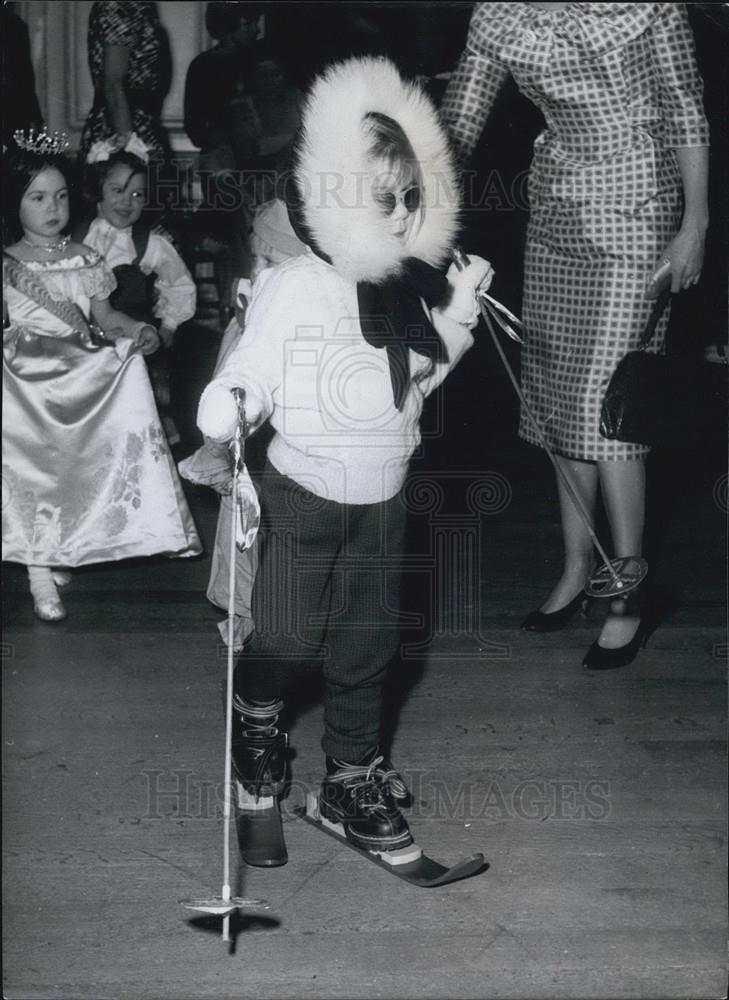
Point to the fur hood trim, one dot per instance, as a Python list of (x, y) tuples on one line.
[(331, 170)]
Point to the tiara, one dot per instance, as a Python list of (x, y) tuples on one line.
[(41, 142)]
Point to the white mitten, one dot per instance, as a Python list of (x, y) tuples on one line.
[(217, 414), (463, 306)]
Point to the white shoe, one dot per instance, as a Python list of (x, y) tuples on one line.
[(49, 610), (61, 577)]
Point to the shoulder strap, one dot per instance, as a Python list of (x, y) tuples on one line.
[(140, 238), (656, 312), (23, 280)]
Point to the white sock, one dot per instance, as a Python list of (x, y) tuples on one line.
[(42, 586)]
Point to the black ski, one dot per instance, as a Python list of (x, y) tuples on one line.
[(408, 863), (260, 833)]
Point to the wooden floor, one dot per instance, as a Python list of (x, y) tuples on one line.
[(599, 801)]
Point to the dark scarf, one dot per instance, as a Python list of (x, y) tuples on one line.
[(391, 313)]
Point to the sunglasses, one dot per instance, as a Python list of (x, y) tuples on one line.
[(410, 198)]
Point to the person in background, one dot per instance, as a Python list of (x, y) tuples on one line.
[(153, 283), (216, 77), (129, 71), (22, 110), (618, 185), (273, 241), (88, 474), (269, 116), (214, 85)]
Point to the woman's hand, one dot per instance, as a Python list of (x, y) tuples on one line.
[(467, 283), (686, 250), (686, 254), (217, 414)]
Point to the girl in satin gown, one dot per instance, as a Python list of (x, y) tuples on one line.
[(87, 473)]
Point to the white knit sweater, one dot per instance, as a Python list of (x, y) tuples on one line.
[(304, 363)]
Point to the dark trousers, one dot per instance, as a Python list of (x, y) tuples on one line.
[(327, 592)]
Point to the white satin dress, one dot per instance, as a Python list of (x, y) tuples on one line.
[(87, 475)]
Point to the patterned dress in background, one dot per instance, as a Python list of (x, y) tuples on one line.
[(136, 27), (619, 90)]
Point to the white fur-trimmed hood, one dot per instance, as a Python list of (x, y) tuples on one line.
[(331, 170)]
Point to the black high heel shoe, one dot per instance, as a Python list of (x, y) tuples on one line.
[(600, 657), (553, 621)]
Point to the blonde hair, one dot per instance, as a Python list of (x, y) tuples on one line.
[(391, 147)]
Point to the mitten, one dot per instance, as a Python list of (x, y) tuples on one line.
[(463, 306), (217, 413)]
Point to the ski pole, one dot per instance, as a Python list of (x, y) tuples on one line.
[(226, 904), (611, 568)]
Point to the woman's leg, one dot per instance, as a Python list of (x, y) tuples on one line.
[(623, 491), (578, 547)]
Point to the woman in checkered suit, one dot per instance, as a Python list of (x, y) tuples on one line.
[(618, 183)]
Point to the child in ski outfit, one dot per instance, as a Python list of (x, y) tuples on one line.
[(87, 473), (342, 346), (153, 282)]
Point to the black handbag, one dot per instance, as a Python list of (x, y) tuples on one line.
[(635, 404)]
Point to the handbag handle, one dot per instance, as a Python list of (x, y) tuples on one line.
[(656, 312)]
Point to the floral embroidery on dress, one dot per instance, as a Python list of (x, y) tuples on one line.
[(126, 485), (124, 488), (49, 526), (157, 442), (115, 520), (15, 495), (46, 528)]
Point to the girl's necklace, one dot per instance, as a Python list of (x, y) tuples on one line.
[(48, 247)]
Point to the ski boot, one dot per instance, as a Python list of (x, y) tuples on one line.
[(363, 798), (259, 765), (357, 806)]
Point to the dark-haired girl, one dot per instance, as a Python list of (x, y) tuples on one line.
[(87, 474), (153, 283)]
